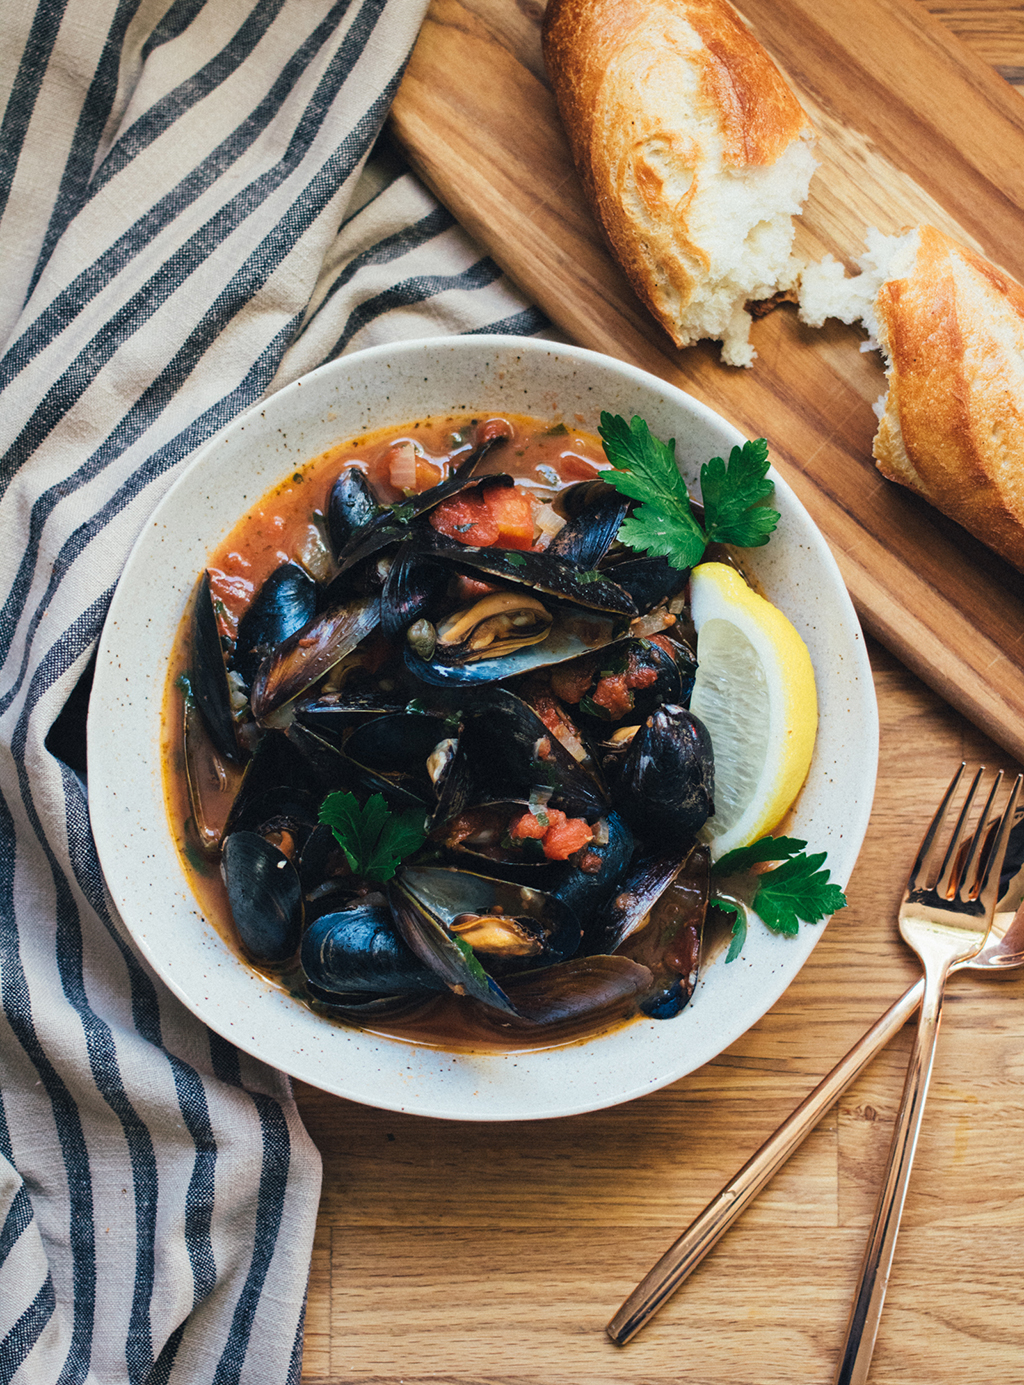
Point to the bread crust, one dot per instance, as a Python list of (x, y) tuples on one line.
[(644, 88), (953, 428)]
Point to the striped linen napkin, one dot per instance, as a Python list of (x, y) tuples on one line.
[(187, 221)]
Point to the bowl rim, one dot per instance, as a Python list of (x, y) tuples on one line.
[(125, 712)]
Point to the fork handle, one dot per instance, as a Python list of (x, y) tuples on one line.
[(865, 1315), (686, 1253)]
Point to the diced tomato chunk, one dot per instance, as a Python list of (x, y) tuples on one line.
[(564, 835), (559, 836), (497, 516), (529, 825), (512, 511), (466, 519), (612, 693)]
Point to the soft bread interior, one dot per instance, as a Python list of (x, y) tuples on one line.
[(742, 219), (827, 291)]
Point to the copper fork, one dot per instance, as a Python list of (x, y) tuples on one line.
[(946, 911), (998, 954)]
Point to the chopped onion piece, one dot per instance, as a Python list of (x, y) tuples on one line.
[(402, 466)]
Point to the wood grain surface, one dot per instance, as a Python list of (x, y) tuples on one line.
[(912, 126), (459, 1253)]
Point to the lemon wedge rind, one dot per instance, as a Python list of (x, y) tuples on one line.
[(755, 692)]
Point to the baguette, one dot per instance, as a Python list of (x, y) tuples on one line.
[(693, 152), (950, 326)]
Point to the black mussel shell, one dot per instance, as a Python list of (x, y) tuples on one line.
[(300, 661), (667, 785), (213, 780), (357, 950), (414, 585), (276, 775), (392, 525), (543, 573), (573, 998), (284, 604), (403, 755), (517, 757), (648, 580), (669, 940), (351, 506), (587, 881), (208, 674), (625, 683), (574, 631), (264, 895), (471, 928), (596, 512), (639, 889)]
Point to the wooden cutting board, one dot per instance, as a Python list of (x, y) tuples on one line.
[(912, 126)]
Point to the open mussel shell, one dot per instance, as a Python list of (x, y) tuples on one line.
[(414, 585), (573, 631), (357, 951), (213, 779), (285, 603), (517, 757), (404, 755), (494, 625), (471, 928), (301, 661), (639, 889), (667, 784), (264, 896), (626, 682), (392, 525), (208, 675), (586, 882), (669, 937), (480, 838), (596, 511), (647, 580), (575, 997), (539, 572), (277, 779)]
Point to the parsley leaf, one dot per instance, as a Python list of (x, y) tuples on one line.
[(796, 889), (645, 470), (739, 926), (374, 839), (732, 497), (663, 534), (664, 524), (764, 849)]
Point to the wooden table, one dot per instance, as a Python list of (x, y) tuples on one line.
[(493, 1254)]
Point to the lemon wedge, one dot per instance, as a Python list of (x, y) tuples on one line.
[(755, 693)]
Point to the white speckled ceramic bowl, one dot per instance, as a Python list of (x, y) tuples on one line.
[(392, 385)]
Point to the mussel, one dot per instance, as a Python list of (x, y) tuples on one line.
[(666, 786), (474, 930), (356, 951), (495, 625), (264, 894), (518, 700), (285, 603)]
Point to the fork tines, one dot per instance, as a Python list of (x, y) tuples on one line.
[(965, 864)]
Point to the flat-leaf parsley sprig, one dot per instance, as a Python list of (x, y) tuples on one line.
[(374, 839), (796, 889), (664, 524)]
